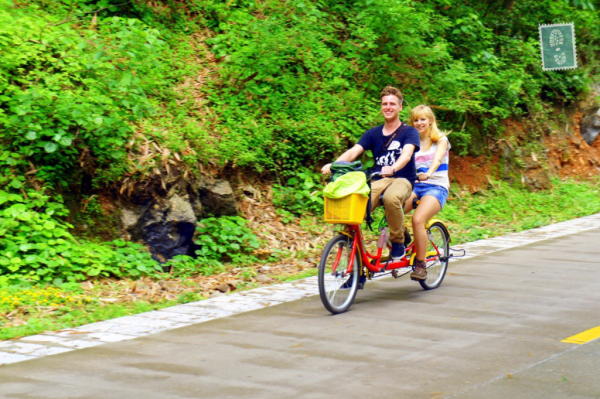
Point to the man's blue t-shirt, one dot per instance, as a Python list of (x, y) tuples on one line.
[(374, 140)]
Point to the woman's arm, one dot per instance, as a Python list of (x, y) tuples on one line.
[(440, 151)]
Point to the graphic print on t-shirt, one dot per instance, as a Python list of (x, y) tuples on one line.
[(394, 146), (390, 156), (374, 140)]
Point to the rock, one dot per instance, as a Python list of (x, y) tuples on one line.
[(590, 125), (222, 287), (537, 179), (261, 278), (197, 208), (233, 283), (590, 106), (216, 294), (509, 169), (129, 220), (217, 197), (167, 227)]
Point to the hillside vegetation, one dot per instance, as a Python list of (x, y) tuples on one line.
[(269, 86), (112, 95)]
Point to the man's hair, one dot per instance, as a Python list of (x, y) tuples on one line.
[(392, 91)]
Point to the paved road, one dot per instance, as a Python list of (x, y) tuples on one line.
[(492, 330)]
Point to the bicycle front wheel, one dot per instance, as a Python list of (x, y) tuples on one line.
[(437, 264), (337, 286)]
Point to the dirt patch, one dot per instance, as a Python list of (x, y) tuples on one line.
[(255, 205), (471, 173), (570, 156)]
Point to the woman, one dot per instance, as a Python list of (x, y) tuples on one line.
[(433, 183)]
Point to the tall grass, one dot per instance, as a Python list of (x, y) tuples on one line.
[(503, 209)]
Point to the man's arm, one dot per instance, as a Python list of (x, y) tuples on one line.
[(407, 152), (348, 156)]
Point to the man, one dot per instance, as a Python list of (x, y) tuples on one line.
[(393, 145)]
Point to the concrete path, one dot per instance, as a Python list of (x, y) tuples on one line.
[(492, 330)]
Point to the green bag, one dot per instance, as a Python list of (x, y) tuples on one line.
[(349, 183), (342, 167)]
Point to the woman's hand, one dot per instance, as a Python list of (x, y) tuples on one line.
[(326, 169), (423, 176)]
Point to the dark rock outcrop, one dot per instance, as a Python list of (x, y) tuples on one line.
[(167, 227), (166, 220)]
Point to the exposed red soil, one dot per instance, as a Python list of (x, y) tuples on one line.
[(571, 156), (568, 155), (471, 173)]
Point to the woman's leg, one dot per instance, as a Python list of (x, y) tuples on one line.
[(428, 207), (409, 202)]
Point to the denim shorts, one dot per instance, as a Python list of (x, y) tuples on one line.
[(439, 192)]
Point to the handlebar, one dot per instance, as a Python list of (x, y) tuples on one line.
[(378, 174)]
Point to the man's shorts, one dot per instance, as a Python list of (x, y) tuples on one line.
[(439, 192)]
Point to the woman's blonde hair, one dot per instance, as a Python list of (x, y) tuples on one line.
[(424, 111)]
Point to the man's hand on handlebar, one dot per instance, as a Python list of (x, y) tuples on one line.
[(326, 169), (387, 171)]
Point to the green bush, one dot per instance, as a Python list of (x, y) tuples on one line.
[(302, 194), (226, 237), (222, 239), (35, 244), (69, 94), (268, 86)]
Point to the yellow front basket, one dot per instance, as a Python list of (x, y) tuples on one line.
[(350, 209)]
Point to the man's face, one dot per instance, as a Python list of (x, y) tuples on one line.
[(390, 107)]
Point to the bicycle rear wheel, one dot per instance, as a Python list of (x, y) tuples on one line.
[(437, 235), (337, 287)]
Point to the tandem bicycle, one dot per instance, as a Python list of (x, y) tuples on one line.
[(346, 264)]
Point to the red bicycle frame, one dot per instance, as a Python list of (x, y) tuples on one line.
[(358, 245)]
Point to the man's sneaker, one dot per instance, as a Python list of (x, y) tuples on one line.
[(420, 272), (397, 251), (348, 284)]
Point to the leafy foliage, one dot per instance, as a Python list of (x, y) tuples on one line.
[(226, 237), (282, 84), (69, 94), (35, 244), (89, 88), (300, 196)]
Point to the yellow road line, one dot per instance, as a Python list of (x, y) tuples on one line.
[(584, 337)]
